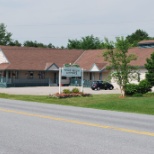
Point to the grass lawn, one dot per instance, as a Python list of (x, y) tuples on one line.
[(144, 104)]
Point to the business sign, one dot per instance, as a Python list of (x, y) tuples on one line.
[(71, 71)]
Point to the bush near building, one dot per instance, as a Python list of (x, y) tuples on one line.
[(133, 89)]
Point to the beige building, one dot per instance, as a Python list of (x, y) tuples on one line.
[(27, 66)]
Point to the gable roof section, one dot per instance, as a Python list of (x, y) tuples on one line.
[(90, 57), (94, 68), (101, 66), (97, 67), (28, 58), (51, 66), (142, 54), (3, 59)]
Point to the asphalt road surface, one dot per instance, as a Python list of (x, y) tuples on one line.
[(35, 128)]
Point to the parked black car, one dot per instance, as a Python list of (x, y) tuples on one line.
[(96, 85)]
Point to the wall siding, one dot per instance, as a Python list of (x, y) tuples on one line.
[(3, 59)]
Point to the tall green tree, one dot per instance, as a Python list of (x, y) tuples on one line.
[(37, 44), (91, 42), (15, 43), (137, 36), (5, 37), (74, 44), (50, 45), (87, 42), (33, 44), (150, 67), (119, 61)]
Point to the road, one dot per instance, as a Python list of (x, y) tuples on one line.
[(35, 128)]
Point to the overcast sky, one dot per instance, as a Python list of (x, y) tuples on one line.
[(56, 21)]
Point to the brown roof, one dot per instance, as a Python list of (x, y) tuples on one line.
[(101, 65), (48, 65), (4, 66), (146, 41), (28, 58), (142, 54), (89, 57)]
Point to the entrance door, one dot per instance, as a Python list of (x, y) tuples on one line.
[(55, 77)]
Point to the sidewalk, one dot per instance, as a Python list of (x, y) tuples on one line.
[(51, 90)]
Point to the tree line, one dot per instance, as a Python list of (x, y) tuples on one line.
[(6, 40), (87, 42)]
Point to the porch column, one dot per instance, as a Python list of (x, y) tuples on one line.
[(7, 75), (93, 76), (100, 75), (2, 77)]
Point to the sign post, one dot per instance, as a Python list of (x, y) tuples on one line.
[(59, 80), (82, 80)]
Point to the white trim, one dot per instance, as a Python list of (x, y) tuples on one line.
[(3, 58), (52, 67), (59, 80), (94, 68)]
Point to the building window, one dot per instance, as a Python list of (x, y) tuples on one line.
[(14, 74), (31, 75), (90, 75), (41, 75)]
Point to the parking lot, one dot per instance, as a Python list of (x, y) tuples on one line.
[(51, 90)]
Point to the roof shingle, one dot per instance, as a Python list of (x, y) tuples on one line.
[(28, 58)]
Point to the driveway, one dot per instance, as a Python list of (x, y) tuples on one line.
[(51, 90)]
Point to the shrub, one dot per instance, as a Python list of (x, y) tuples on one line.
[(75, 90), (144, 86), (131, 89), (66, 91), (134, 89), (67, 94)]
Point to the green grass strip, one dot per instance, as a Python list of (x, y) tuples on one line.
[(144, 104)]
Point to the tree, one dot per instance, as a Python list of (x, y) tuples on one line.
[(119, 60), (137, 36), (88, 42), (51, 46), (15, 43), (150, 67), (36, 44), (33, 44), (5, 37), (74, 44), (91, 42)]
